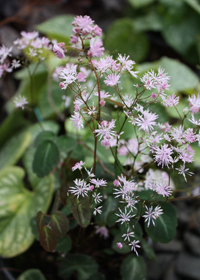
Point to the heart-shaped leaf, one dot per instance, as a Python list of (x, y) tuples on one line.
[(17, 207), (47, 239), (59, 223)]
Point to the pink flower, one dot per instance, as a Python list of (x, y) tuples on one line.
[(83, 25), (81, 77), (189, 135), (194, 103), (147, 121), (102, 102), (73, 39), (112, 80), (78, 165), (97, 30), (96, 48), (170, 101), (91, 188), (105, 129), (163, 155), (77, 121), (164, 189), (58, 49), (153, 95), (116, 183), (119, 245), (102, 231)]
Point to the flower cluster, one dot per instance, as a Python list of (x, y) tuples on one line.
[(143, 154)]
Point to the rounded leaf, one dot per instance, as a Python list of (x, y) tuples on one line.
[(31, 274), (133, 268), (84, 265), (59, 223), (65, 145), (64, 245), (122, 38), (42, 136), (47, 239), (53, 28), (46, 158), (165, 225)]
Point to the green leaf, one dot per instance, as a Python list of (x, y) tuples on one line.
[(17, 207), (40, 220), (14, 148), (118, 238), (46, 158), (140, 3), (59, 223), (148, 249), (122, 38), (12, 124), (151, 21), (81, 210), (31, 274), (42, 136), (181, 29), (84, 265), (178, 73), (59, 28), (109, 205), (50, 100), (28, 164), (64, 245), (195, 4), (65, 145), (133, 268), (165, 225), (43, 126), (47, 239)]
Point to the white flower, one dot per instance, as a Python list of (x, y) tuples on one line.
[(20, 101), (134, 245)]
